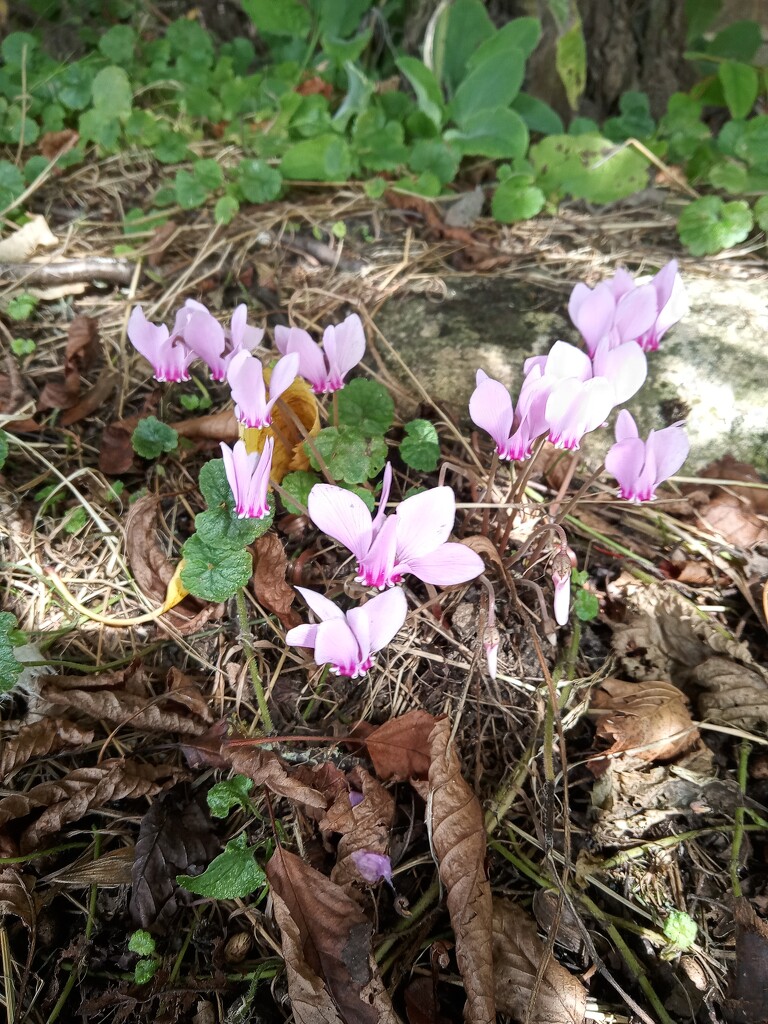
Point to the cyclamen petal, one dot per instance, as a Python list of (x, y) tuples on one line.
[(448, 565), (311, 360), (625, 366), (372, 867), (574, 408), (592, 312), (424, 522), (326, 368), (640, 466), (343, 515), (490, 408), (205, 336), (248, 478), (168, 355)]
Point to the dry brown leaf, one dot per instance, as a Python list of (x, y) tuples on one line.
[(366, 826), (82, 346), (93, 399), (83, 790), (334, 939), (647, 721), (22, 243), (153, 570), (736, 695), (38, 739), (116, 454), (517, 955), (268, 769), (421, 1003), (729, 469), (119, 706), (731, 518), (109, 870), (52, 144), (14, 397), (400, 748), (218, 426), (748, 993), (269, 585), (455, 820), (311, 1002), (16, 898)]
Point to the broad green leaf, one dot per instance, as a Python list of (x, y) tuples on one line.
[(341, 51), (152, 437), (258, 181), (738, 41), (145, 970), (73, 86), (190, 44), (17, 48), (436, 156), (349, 455), (683, 126), (214, 485), (357, 98), (111, 92), (761, 219), (141, 942), (428, 96), (341, 17), (234, 874), (420, 448), (500, 134), (375, 188), (99, 126), (634, 122), (538, 115), (379, 144), (325, 158), (699, 15), (586, 605), (427, 184), (464, 25), (298, 484), (19, 127), (751, 143), (190, 191), (117, 44), (278, 17), (709, 225), (587, 167), (220, 526), (208, 173), (171, 148), (367, 406), (517, 198), (519, 35), (10, 667), (225, 209), (21, 306), (214, 573), (223, 796), (3, 446), (491, 85), (740, 84), (11, 183), (571, 62), (730, 176)]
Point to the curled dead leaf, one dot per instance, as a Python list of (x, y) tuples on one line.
[(517, 955), (400, 748), (16, 898), (38, 739), (24, 241), (219, 426), (153, 570), (93, 399), (269, 585), (735, 695), (647, 721), (53, 144), (334, 938), (80, 353), (267, 769), (455, 820)]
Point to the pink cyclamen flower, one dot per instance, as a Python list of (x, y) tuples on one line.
[(513, 430), (413, 540), (372, 867), (245, 374), (248, 478), (348, 641), (640, 466), (325, 368), (621, 310), (216, 347), (169, 356)]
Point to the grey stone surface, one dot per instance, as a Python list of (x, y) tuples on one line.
[(711, 369)]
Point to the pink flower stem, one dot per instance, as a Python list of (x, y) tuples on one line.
[(288, 411), (566, 483), (488, 495)]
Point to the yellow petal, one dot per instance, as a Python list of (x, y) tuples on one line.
[(175, 591)]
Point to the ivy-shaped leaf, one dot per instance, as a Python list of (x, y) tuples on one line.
[(349, 454), (234, 874), (213, 573), (366, 405), (420, 448), (708, 225)]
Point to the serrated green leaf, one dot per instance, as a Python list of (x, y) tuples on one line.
[(208, 173), (214, 485), (152, 437), (586, 605), (571, 62), (708, 225), (117, 44), (145, 970), (258, 182), (499, 133), (225, 209), (429, 98), (379, 144), (517, 198), (491, 85), (325, 158), (349, 454), (740, 84), (298, 484), (171, 148), (436, 156), (190, 191), (141, 942), (111, 91), (285, 18), (228, 794), (375, 188), (214, 573), (761, 219), (367, 406), (680, 929), (10, 667), (420, 448), (76, 520), (3, 448), (730, 176), (234, 874)]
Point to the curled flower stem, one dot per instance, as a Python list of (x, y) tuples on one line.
[(250, 657)]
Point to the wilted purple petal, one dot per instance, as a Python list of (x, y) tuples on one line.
[(372, 867)]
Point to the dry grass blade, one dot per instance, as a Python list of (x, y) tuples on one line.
[(334, 937), (517, 954), (79, 792), (39, 739), (455, 819)]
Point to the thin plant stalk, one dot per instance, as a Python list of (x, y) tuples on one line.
[(250, 657)]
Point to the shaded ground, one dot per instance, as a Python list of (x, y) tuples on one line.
[(106, 763)]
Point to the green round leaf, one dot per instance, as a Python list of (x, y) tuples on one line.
[(740, 84), (11, 182), (709, 225), (111, 91), (324, 158), (190, 192), (10, 667), (141, 942), (587, 167), (225, 209), (213, 573), (117, 44), (730, 176), (586, 605), (367, 406), (349, 454), (298, 485), (171, 148), (234, 874), (145, 970), (517, 199), (436, 156), (208, 173), (680, 929), (258, 182), (152, 437), (285, 18), (17, 48), (73, 86), (498, 133), (760, 212), (420, 448)]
